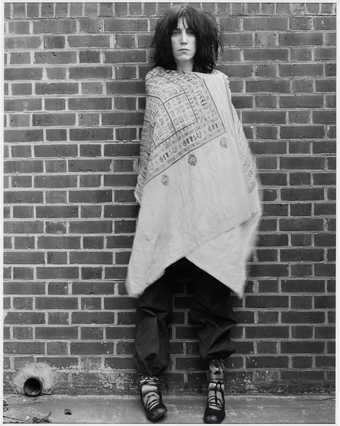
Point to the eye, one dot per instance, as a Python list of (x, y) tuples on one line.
[(190, 31), (176, 31)]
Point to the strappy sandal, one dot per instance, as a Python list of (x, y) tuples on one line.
[(215, 409), (151, 398)]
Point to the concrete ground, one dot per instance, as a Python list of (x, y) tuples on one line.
[(241, 409)]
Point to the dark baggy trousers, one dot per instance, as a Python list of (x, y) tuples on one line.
[(210, 311)]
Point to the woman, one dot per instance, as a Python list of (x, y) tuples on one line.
[(199, 204)]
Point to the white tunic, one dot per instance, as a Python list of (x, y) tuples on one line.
[(197, 184)]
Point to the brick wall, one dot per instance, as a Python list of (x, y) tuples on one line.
[(74, 99)]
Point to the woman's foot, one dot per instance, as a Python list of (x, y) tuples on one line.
[(215, 408), (151, 398)]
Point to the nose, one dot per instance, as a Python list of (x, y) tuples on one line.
[(184, 37)]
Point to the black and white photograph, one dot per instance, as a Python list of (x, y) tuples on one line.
[(169, 212)]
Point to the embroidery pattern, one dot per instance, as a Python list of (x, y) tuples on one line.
[(181, 117)]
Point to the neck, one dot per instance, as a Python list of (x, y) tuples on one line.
[(185, 66)]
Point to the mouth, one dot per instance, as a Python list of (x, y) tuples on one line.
[(183, 50)]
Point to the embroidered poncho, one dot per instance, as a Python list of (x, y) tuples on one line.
[(197, 185)]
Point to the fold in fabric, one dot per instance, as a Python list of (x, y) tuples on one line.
[(197, 185)]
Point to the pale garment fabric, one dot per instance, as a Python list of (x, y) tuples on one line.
[(197, 184)]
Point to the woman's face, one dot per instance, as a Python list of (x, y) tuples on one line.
[(183, 42)]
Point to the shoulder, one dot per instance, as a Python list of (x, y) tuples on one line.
[(154, 78), (155, 72), (221, 74)]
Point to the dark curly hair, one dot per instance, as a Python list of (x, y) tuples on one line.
[(203, 25)]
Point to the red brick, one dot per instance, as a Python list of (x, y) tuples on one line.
[(91, 134), (300, 23), (97, 72), (115, 272), (23, 197), (23, 73), (54, 42), (325, 332), (89, 41), (97, 196), (89, 165), (57, 288), (324, 302), (124, 226), (266, 347), (302, 376), (119, 241), (120, 180), (23, 135), (125, 88), (97, 348), (301, 54), (55, 333), (267, 362), (121, 24), (90, 227), (55, 150), (265, 54), (58, 318), (280, 86), (266, 301), (119, 211), (91, 333), (54, 26), (24, 318), (53, 119), (275, 332), (325, 23), (100, 257), (93, 317), (113, 303), (297, 317), (300, 70), (303, 347), (119, 363), (120, 332), (55, 57), (305, 101), (56, 73), (21, 89), (22, 333), (56, 257), (90, 181), (18, 42), (302, 194), (29, 288), (23, 303), (325, 117), (265, 318), (328, 85), (325, 361), (55, 134), (302, 362), (266, 255), (23, 166), (90, 211), (20, 58), (265, 23), (24, 348), (56, 88), (51, 272), (300, 39), (89, 56), (24, 257)]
